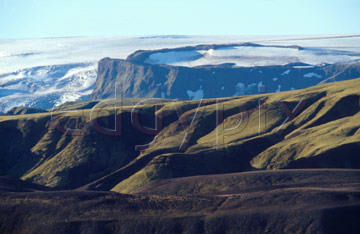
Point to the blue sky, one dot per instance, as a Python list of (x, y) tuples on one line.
[(63, 18)]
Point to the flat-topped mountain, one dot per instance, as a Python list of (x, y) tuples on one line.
[(212, 71)]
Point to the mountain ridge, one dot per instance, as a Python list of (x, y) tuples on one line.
[(195, 138)]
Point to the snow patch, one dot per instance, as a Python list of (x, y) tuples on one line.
[(243, 89), (312, 74), (278, 89), (303, 67), (197, 95), (240, 89), (261, 87), (172, 57), (287, 72), (4, 54)]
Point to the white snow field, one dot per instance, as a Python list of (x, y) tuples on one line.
[(315, 51), (50, 71)]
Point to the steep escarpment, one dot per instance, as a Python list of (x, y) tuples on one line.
[(141, 75)]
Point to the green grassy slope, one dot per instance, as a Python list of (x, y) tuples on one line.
[(324, 133), (328, 121)]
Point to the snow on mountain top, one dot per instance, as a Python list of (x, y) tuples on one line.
[(249, 56), (26, 53), (49, 71), (173, 57)]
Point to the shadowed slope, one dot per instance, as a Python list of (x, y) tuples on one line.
[(253, 209), (316, 127)]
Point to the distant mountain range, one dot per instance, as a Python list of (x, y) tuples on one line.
[(48, 72)]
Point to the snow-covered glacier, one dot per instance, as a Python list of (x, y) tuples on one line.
[(47, 86), (47, 72)]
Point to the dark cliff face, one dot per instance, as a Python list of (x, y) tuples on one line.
[(133, 78), (117, 77), (139, 76)]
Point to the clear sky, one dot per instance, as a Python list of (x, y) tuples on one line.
[(62, 18)]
